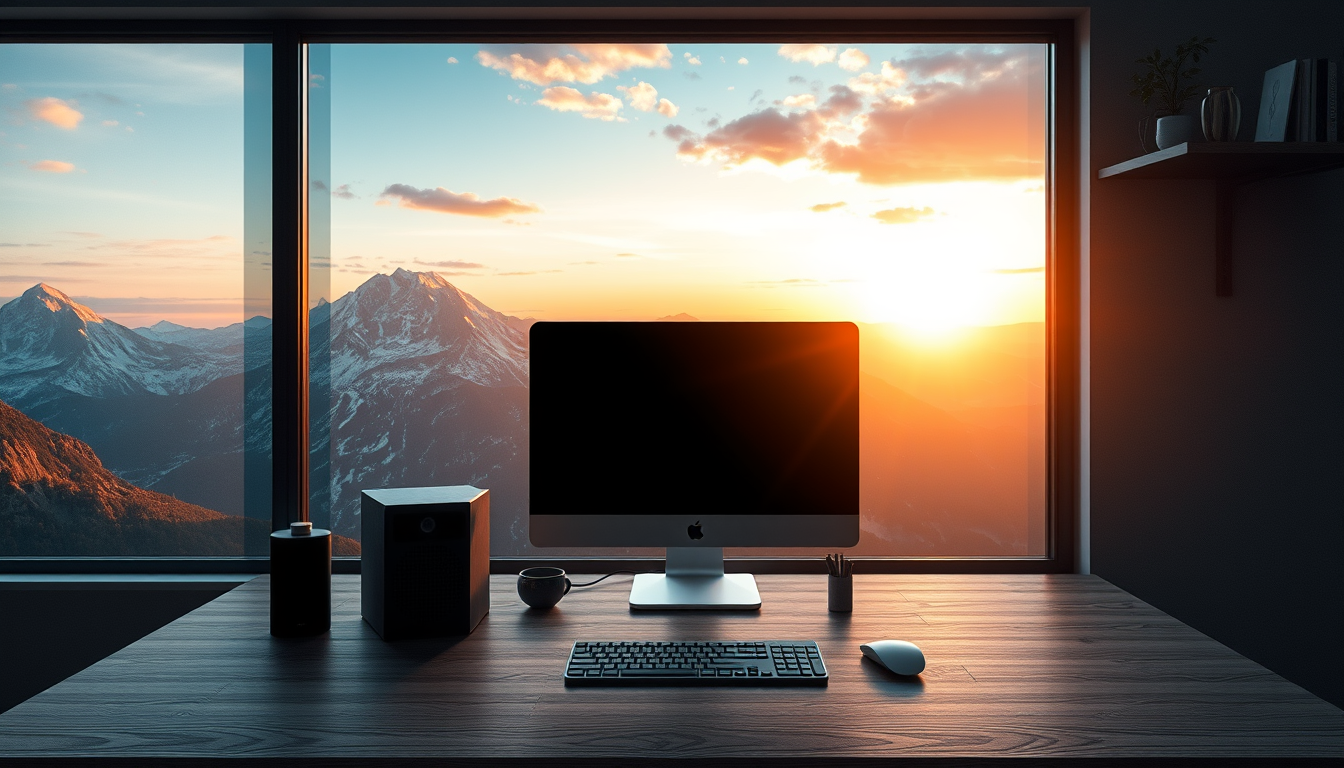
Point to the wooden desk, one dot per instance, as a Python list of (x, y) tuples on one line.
[(1046, 666)]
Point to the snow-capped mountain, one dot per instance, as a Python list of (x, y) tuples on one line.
[(52, 346), (427, 386), (417, 327)]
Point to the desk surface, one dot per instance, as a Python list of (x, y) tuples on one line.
[(1046, 666)]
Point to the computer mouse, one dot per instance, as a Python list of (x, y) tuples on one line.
[(896, 655)]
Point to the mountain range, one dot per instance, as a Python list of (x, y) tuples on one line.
[(414, 382)]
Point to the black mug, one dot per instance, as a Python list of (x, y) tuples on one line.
[(543, 587)]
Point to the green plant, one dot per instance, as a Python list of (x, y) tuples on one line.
[(1167, 78)]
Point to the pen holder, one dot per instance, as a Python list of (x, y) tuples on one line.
[(840, 593)]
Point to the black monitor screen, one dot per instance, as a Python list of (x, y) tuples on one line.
[(666, 417)]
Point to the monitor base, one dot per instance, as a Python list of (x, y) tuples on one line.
[(695, 581), (729, 591)]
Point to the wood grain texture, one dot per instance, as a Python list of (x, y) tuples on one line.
[(1031, 665), (1229, 161)]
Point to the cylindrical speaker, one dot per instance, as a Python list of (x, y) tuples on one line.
[(300, 581)]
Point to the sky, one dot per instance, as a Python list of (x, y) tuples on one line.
[(876, 183)]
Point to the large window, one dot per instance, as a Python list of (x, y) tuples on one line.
[(135, 283), (461, 192), (179, 220)]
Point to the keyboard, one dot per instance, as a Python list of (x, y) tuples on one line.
[(697, 662)]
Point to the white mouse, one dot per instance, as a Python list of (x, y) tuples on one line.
[(896, 655)]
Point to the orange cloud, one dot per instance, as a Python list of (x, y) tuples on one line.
[(769, 135), (801, 100), (52, 166), (58, 112), (903, 215), (461, 204), (974, 114), (813, 53), (598, 106), (581, 63), (667, 108), (824, 207)]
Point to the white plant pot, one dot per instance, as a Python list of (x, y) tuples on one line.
[(1177, 129)]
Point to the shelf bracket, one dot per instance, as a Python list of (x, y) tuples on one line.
[(1222, 238)]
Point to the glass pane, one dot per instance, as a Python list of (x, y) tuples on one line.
[(474, 189), (135, 284)]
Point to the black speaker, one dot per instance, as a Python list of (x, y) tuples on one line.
[(426, 560)]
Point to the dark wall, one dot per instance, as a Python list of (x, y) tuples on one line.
[(1217, 425), (49, 632)]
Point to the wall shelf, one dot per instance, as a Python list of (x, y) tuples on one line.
[(1230, 164), (1230, 161)]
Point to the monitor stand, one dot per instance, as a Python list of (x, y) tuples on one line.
[(695, 581)]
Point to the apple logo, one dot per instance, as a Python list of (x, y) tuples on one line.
[(694, 531)]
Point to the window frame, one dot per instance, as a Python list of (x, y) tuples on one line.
[(289, 34)]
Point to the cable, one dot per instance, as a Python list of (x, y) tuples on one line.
[(608, 576)]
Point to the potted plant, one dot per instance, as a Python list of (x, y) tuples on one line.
[(1165, 80)]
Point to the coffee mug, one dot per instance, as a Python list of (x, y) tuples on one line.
[(543, 587)]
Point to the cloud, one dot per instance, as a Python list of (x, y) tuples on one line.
[(667, 108), (343, 192), (110, 123), (852, 60), (824, 207), (596, 105), (452, 264), (533, 272), (81, 264), (168, 248), (693, 61), (452, 59), (984, 120), (678, 132), (797, 79), (903, 215), (463, 204), (25, 245), (629, 255), (52, 166), (35, 279), (873, 83), (768, 135), (793, 282), (643, 97), (801, 100), (580, 63), (742, 60), (812, 53), (58, 112)]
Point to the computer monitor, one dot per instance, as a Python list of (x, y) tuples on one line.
[(694, 436)]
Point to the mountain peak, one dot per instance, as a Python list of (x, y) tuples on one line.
[(55, 301)]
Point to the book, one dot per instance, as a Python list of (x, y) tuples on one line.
[(1276, 102), (1303, 92), (1331, 100)]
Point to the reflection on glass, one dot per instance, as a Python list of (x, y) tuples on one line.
[(473, 189), (135, 284)]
